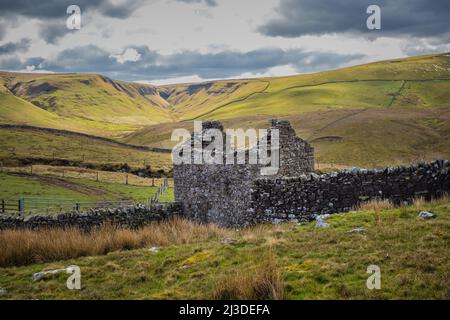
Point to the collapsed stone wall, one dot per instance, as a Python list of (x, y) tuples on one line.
[(133, 217), (302, 198)]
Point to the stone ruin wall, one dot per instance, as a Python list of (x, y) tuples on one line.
[(216, 193), (296, 155), (222, 193)]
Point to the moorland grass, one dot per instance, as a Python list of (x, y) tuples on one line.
[(195, 263)]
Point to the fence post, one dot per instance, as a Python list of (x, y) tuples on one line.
[(126, 179), (21, 205)]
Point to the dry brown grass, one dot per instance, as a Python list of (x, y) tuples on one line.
[(262, 283), (376, 205), (264, 232), (418, 203), (444, 198), (22, 247)]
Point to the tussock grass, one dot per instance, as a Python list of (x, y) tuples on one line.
[(376, 205), (314, 263), (261, 283), (22, 247), (418, 203)]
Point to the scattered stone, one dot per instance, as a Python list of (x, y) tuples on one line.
[(154, 249), (320, 221), (322, 224), (184, 266), (358, 231), (425, 215), (39, 275), (229, 241), (3, 290)]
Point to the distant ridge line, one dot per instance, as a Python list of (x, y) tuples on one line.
[(241, 99), (85, 135)]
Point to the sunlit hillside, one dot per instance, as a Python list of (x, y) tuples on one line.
[(387, 112)]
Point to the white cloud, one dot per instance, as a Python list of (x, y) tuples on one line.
[(185, 79), (130, 54)]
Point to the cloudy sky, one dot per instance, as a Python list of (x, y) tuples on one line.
[(167, 41)]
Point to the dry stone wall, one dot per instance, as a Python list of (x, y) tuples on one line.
[(133, 217), (304, 197)]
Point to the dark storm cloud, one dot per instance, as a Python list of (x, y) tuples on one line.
[(57, 8), (152, 65), (52, 31), (420, 18), (11, 63), (2, 31), (211, 3), (52, 13), (14, 47)]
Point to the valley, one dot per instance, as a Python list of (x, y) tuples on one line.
[(383, 113)]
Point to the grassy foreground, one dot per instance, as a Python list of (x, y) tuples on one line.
[(265, 261)]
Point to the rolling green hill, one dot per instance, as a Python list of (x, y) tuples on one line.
[(380, 113), (23, 143), (422, 81), (84, 103)]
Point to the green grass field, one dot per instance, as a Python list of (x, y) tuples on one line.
[(20, 143), (412, 254), (16, 185)]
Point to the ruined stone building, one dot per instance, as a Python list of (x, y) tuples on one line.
[(235, 195), (221, 193)]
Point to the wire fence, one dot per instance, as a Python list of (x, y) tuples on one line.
[(41, 205), (35, 205), (89, 174), (156, 198)]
